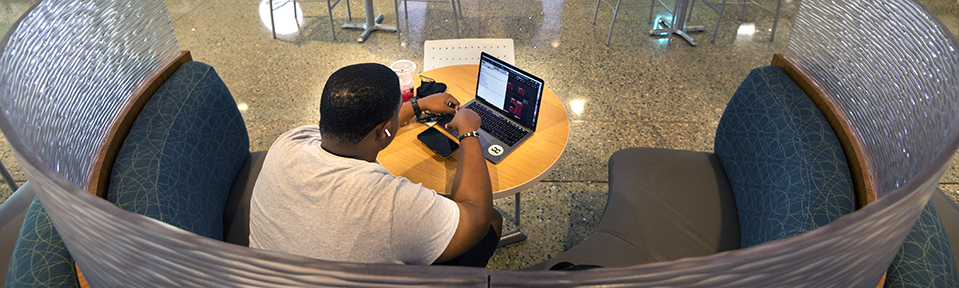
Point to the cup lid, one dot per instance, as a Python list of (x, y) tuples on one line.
[(403, 66)]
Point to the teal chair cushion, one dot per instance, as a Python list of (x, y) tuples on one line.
[(784, 163), (182, 153), (925, 259), (40, 259)]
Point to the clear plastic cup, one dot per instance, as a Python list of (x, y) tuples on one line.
[(405, 70)]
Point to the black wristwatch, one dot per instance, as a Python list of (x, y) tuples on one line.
[(416, 108), (470, 134)]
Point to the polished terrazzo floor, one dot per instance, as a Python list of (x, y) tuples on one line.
[(638, 91)]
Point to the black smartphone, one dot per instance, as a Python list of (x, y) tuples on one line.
[(445, 120), (438, 142)]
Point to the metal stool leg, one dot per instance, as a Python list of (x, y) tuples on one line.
[(396, 14), (272, 24), (779, 4), (652, 5), (691, 5), (596, 11), (459, 8), (456, 18), (742, 13), (297, 21), (611, 24), (719, 17), (406, 12), (329, 8), (13, 184)]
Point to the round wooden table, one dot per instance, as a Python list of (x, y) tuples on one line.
[(526, 166)]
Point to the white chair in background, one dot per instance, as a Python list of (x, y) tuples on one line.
[(442, 53)]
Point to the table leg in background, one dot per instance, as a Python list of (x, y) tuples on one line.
[(678, 26), (515, 235), (372, 22)]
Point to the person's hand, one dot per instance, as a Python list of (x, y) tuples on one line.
[(465, 121), (439, 103)]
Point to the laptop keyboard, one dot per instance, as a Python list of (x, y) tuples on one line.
[(502, 129)]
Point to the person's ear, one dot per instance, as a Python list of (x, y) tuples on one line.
[(383, 130)]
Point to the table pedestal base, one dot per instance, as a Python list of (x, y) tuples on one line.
[(515, 235), (681, 32), (370, 26), (512, 236), (678, 26)]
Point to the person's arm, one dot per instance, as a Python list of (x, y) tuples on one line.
[(472, 190), (436, 103)]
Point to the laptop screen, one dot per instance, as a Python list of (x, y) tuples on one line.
[(516, 93)]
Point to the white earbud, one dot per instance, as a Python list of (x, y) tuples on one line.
[(387, 133)]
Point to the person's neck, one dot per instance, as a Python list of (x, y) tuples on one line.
[(359, 151)]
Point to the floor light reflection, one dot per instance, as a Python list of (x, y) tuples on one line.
[(282, 16), (577, 106)]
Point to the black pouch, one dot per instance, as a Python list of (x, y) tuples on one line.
[(429, 87)]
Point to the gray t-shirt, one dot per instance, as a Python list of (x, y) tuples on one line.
[(312, 203)]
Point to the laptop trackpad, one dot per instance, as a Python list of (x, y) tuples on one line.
[(493, 149)]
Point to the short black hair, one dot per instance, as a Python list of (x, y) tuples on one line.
[(355, 99)]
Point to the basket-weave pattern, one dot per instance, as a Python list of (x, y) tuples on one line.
[(67, 68)]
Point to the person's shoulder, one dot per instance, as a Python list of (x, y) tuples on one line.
[(307, 133)]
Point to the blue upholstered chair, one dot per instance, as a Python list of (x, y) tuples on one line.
[(778, 171), (40, 258), (182, 154), (927, 257), (185, 161)]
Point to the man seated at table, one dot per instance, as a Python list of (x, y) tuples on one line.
[(327, 197)]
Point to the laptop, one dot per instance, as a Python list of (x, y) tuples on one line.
[(508, 101)]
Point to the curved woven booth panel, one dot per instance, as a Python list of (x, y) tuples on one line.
[(58, 102), (60, 88), (894, 80), (60, 51), (116, 248), (66, 72)]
